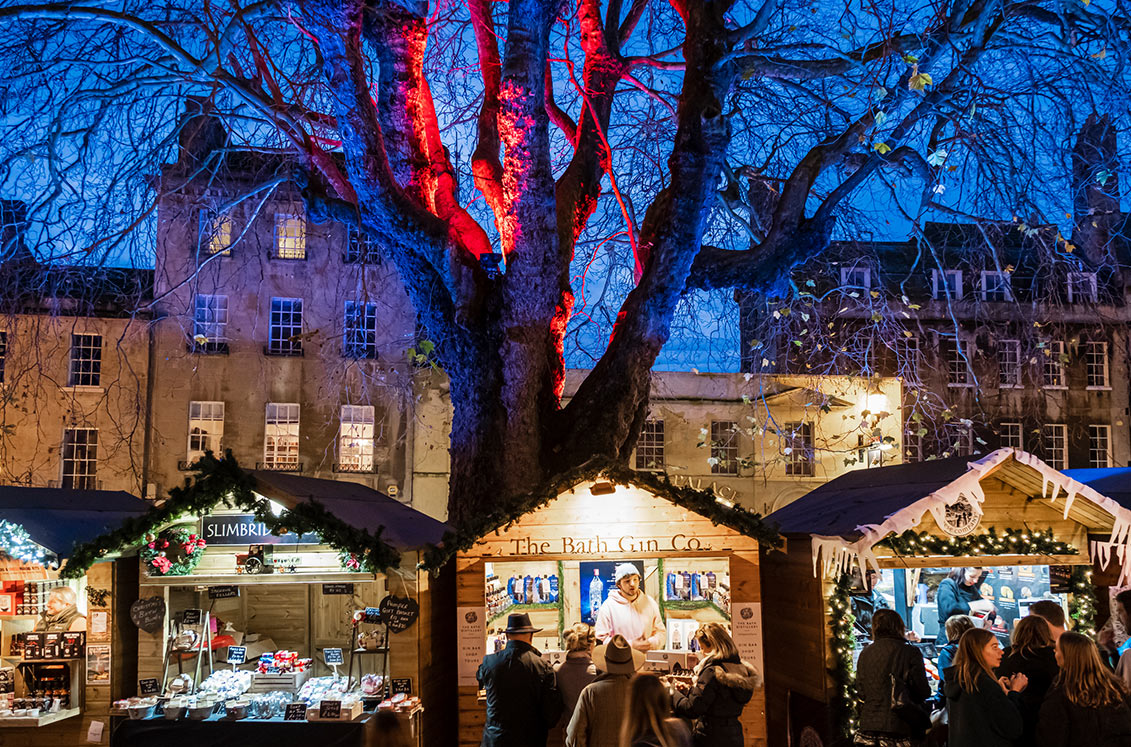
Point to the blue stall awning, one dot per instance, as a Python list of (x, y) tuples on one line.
[(58, 518)]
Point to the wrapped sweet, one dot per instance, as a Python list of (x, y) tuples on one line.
[(226, 683), (372, 684)]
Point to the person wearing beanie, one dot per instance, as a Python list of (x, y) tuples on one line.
[(630, 612)]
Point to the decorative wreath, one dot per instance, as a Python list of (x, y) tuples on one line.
[(172, 552), (350, 562)]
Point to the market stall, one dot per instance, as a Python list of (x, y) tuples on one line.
[(555, 559), (63, 657), (1024, 526), (269, 597)]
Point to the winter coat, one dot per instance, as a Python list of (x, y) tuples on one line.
[(574, 674), (946, 658), (600, 710), (1064, 724), (878, 662), (678, 736), (986, 717), (722, 689), (634, 620), (523, 700), (953, 598), (1041, 669)]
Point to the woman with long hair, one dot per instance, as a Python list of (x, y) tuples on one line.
[(722, 687), (958, 594), (647, 720), (982, 711), (1031, 654), (574, 674), (1088, 706), (890, 659)]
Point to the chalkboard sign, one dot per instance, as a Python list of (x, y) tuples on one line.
[(223, 592), (148, 613), (191, 617), (332, 656), (399, 613), (402, 685), (337, 589), (371, 615), (295, 712), (1060, 579), (237, 654), (148, 686), (330, 709)]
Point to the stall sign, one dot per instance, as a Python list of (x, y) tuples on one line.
[(471, 642), (148, 686), (223, 592), (399, 613), (746, 631), (295, 712), (332, 589), (330, 709), (245, 529), (959, 518), (237, 654), (598, 545), (402, 685), (148, 613), (191, 617), (332, 656)]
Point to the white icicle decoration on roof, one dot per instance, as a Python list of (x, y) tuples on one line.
[(838, 555)]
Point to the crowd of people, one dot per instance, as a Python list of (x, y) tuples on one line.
[(599, 697), (1050, 688)]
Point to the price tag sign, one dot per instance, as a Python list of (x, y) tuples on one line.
[(371, 615), (337, 588), (330, 709), (149, 686), (191, 617), (237, 654), (332, 656), (402, 685), (295, 712)]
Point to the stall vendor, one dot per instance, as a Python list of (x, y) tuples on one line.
[(958, 594), (630, 612), (61, 613)]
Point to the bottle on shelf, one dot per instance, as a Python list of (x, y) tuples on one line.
[(596, 592)]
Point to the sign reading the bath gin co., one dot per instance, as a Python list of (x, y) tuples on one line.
[(245, 529), (598, 545)]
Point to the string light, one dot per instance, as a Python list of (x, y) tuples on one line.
[(17, 543)]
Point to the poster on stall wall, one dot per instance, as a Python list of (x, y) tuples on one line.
[(471, 642), (97, 665), (746, 631)]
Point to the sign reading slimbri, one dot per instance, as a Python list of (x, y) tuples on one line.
[(244, 529)]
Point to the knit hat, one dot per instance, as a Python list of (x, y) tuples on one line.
[(624, 570)]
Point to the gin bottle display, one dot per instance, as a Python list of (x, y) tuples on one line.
[(596, 588)]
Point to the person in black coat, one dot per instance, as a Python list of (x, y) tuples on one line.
[(982, 711), (1088, 706), (723, 685), (888, 656), (523, 700), (958, 595), (1031, 654)]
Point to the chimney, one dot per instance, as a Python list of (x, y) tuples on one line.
[(201, 131), (1095, 189)]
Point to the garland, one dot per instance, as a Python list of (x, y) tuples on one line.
[(177, 543), (1011, 542), (841, 620), (701, 502), (1082, 604), (16, 543), (221, 482)]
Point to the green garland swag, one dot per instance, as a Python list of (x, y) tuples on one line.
[(1012, 542), (221, 482), (1082, 605), (171, 552), (841, 620), (701, 502)]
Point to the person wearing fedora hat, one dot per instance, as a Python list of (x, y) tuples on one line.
[(523, 700), (629, 612), (601, 706)]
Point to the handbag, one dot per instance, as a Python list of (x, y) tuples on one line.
[(905, 707)]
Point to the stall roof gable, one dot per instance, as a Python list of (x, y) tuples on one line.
[(1114, 482), (59, 518)]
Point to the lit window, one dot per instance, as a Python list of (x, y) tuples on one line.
[(856, 278), (86, 360), (290, 236), (1054, 439), (1095, 356), (356, 439), (80, 458), (285, 329), (1099, 446), (205, 428), (650, 446), (216, 231), (359, 248), (280, 440), (1082, 287), (798, 442), (996, 286), (1010, 436), (3, 353), (1054, 372), (946, 284), (210, 323), (958, 373), (359, 332), (1009, 364), (724, 447)]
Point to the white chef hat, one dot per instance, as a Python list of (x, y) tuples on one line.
[(624, 570)]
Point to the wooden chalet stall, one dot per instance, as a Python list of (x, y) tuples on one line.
[(79, 657), (699, 559), (1111, 559), (1009, 513)]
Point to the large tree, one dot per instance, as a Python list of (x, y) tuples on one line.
[(717, 142)]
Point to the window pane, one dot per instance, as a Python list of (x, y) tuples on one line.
[(285, 332), (86, 360), (290, 236), (724, 447), (1055, 437), (1053, 368), (1099, 446), (798, 442), (359, 333), (280, 444), (650, 446), (1096, 358), (1009, 363), (356, 438), (206, 428), (80, 458)]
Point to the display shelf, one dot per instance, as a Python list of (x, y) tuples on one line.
[(22, 660), (380, 650), (24, 722), (551, 607), (685, 605), (240, 579)]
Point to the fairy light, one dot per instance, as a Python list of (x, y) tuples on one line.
[(17, 543)]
